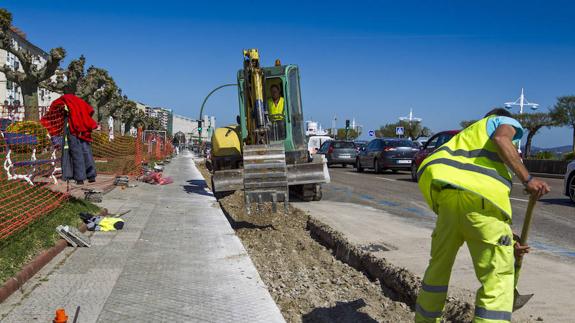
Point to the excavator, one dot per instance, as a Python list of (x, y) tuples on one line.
[(265, 154)]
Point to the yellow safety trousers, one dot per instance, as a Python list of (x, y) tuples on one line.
[(466, 217)]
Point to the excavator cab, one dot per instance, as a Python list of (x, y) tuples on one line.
[(266, 154), (287, 128)]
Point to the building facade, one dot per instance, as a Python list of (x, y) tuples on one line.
[(10, 92), (189, 127)]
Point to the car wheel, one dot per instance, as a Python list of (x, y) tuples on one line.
[(344, 165), (376, 166), (358, 166), (414, 172), (572, 188)]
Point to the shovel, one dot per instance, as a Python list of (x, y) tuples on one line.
[(520, 300)]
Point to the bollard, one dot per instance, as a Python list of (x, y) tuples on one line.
[(61, 316)]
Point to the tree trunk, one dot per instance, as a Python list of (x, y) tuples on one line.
[(530, 136), (30, 97)]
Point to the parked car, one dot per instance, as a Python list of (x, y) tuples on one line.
[(359, 144), (433, 143), (338, 152), (315, 142), (570, 181), (386, 153)]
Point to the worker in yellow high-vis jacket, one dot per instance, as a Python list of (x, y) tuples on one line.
[(276, 112), (467, 184)]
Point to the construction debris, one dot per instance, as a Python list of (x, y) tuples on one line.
[(73, 236)]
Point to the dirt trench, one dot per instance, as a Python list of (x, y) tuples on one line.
[(305, 277)]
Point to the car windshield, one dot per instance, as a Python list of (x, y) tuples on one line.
[(400, 143), (343, 144)]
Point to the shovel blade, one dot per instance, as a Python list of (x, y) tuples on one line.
[(520, 300)]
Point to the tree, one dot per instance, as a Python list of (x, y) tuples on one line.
[(30, 79), (352, 134), (563, 114), (67, 81), (412, 130), (532, 122)]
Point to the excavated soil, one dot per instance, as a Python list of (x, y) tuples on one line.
[(303, 277)]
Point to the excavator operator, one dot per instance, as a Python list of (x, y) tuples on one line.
[(276, 112)]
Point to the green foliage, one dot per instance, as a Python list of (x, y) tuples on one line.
[(413, 130), (545, 155), (533, 122), (563, 114), (352, 134), (569, 156), (19, 248)]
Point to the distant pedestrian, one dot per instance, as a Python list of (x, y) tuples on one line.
[(467, 184)]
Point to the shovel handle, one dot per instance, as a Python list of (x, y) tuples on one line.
[(526, 226)]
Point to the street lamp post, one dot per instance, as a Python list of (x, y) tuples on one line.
[(521, 102), (204, 103)]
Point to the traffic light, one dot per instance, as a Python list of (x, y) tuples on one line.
[(199, 125), (347, 124)]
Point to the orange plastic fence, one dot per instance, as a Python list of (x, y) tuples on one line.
[(30, 184)]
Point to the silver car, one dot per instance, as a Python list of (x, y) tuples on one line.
[(570, 181)]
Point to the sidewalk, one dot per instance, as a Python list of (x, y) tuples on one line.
[(177, 260), (407, 245)]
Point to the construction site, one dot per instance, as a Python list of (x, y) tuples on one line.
[(115, 210)]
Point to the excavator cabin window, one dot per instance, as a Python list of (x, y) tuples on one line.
[(276, 106)]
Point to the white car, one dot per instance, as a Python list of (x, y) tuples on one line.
[(570, 181)]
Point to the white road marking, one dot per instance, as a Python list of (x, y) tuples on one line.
[(516, 199), (387, 179)]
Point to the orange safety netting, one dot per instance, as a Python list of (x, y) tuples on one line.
[(30, 165), (30, 162)]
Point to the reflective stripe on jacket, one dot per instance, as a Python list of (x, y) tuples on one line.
[(276, 112), (468, 161)]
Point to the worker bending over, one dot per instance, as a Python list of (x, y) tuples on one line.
[(467, 184), (276, 112)]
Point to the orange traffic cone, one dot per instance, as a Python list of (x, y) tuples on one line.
[(61, 316)]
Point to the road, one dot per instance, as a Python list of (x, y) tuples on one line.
[(553, 226)]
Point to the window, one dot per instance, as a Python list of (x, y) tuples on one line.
[(432, 142), (297, 124), (324, 147), (400, 143), (343, 144)]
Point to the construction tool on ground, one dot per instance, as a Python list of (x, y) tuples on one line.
[(266, 154), (520, 300)]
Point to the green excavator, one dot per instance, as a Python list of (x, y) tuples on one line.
[(265, 154)]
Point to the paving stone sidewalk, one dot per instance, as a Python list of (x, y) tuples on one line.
[(177, 260)]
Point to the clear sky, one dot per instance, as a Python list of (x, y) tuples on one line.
[(372, 60)]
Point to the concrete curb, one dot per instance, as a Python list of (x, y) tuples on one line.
[(559, 176), (37, 263), (400, 281)]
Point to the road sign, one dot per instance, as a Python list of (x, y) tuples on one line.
[(371, 133), (399, 131)]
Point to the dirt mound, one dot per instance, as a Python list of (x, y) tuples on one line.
[(303, 277)]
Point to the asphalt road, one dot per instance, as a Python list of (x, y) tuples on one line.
[(552, 229)]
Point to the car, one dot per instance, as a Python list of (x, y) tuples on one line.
[(433, 143), (315, 142), (338, 152), (359, 144), (570, 181), (386, 153)]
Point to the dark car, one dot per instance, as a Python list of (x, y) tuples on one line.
[(386, 153), (338, 152), (433, 143)]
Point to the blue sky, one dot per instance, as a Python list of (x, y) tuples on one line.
[(372, 60)]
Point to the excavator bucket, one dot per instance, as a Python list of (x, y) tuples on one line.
[(265, 175)]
